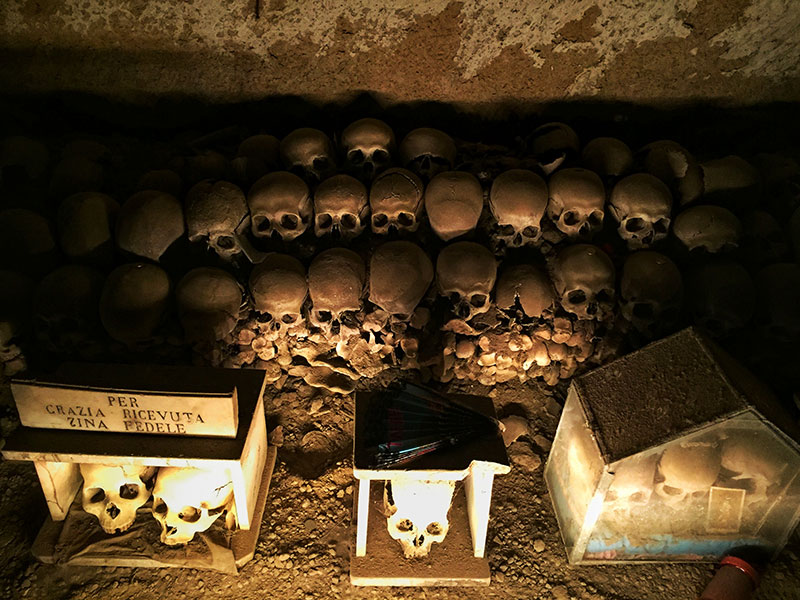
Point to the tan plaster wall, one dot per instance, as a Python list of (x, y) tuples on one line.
[(477, 54)]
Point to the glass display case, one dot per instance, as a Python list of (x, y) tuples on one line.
[(680, 468)]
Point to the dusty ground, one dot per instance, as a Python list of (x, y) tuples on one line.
[(303, 549)]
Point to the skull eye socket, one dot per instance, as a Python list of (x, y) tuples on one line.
[(189, 514), (571, 218), (349, 221), (506, 229), (530, 232), (478, 300), (405, 219), (604, 296), (128, 491), (434, 529), (454, 297), (596, 218), (380, 156), (355, 156), (289, 221), (324, 221), (380, 220), (321, 163), (324, 316), (643, 310), (160, 507), (97, 495), (405, 525), (225, 242), (261, 223), (661, 226), (634, 224), (576, 297), (289, 318), (264, 317)]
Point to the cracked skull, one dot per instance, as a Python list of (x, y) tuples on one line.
[(114, 493), (368, 146), (675, 166), (428, 152), (280, 206), (577, 200), (465, 275), (652, 292), (641, 204), (453, 201), (336, 279), (340, 207), (584, 277), (279, 289), (308, 153), (395, 200), (417, 513), (399, 275), (518, 200), (524, 288), (214, 212), (187, 501), (553, 144)]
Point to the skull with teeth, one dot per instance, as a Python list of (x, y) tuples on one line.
[(336, 279), (149, 222), (641, 204), (584, 278), (518, 199), (187, 501), (400, 274), (577, 199), (133, 301), (308, 153), (465, 274), (395, 200), (720, 296), (340, 207), (279, 289), (524, 288), (214, 212), (114, 493), (428, 152), (417, 513), (687, 471), (454, 202), (708, 228), (280, 206), (675, 166), (208, 303), (85, 226), (553, 144), (652, 292), (368, 147), (609, 157)]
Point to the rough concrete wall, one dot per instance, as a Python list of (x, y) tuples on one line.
[(475, 53)]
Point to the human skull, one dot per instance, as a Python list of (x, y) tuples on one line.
[(708, 228), (399, 275), (308, 153), (763, 239), (652, 292), (518, 199), (720, 296), (26, 241), (730, 180), (336, 280), (279, 289), (255, 157), (208, 300), (280, 206), (633, 484), (395, 200), (148, 223), (525, 289), (465, 275), (675, 166), (687, 470), (114, 493), (577, 200), (417, 513), (752, 462), (553, 144), (609, 157), (641, 204), (214, 212), (85, 225), (187, 501), (22, 159), (584, 280), (454, 202), (368, 146), (428, 152), (133, 301), (340, 207)]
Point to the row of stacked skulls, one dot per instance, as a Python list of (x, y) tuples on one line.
[(338, 261)]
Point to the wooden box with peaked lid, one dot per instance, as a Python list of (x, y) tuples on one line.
[(674, 452)]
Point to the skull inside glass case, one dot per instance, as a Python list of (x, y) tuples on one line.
[(673, 453)]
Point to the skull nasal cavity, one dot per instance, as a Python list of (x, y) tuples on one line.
[(112, 511)]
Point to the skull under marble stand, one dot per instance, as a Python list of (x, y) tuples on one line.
[(397, 523), (208, 493)]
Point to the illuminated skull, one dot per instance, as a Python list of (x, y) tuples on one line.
[(584, 280), (368, 147), (336, 279), (454, 202), (518, 199), (399, 275), (642, 205), (525, 289), (417, 513), (214, 212), (114, 493), (465, 275), (279, 289), (340, 207), (308, 153), (687, 471), (428, 152), (395, 200), (577, 201), (280, 206)]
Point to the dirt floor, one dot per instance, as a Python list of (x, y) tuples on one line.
[(304, 547)]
